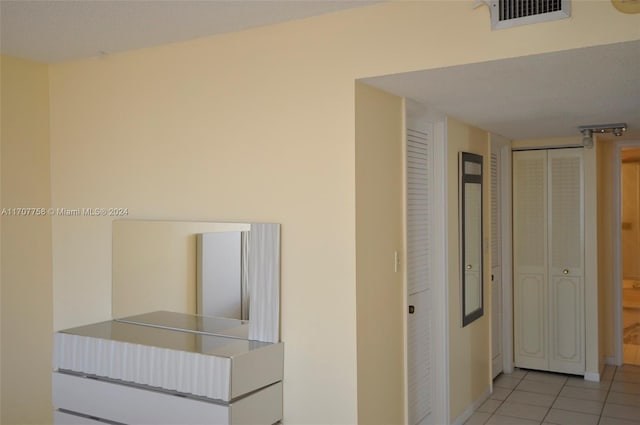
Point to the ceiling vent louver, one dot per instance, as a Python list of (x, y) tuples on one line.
[(511, 13)]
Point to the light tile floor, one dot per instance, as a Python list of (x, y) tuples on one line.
[(531, 397)]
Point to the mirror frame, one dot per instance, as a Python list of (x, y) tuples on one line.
[(474, 161)]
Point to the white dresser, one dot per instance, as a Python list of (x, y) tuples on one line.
[(166, 368)]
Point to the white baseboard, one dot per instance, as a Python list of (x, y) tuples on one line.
[(466, 414), (592, 376)]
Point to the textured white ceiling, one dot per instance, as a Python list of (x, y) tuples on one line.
[(61, 30), (547, 95)]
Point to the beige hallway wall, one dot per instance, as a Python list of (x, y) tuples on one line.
[(605, 154), (25, 294), (379, 234), (469, 346)]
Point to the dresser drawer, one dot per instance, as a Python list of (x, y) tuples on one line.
[(203, 365), (66, 418), (137, 405)]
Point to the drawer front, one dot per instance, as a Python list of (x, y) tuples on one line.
[(63, 418), (173, 370), (132, 405), (256, 369), (263, 407)]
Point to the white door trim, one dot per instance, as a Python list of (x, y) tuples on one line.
[(439, 272), (507, 267), (617, 242)]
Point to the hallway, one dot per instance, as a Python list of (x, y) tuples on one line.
[(532, 397)]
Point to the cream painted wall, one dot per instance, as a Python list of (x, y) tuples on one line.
[(470, 346), (604, 153), (593, 303), (379, 233), (25, 292), (257, 126)]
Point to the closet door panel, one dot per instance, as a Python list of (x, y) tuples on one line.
[(530, 259), (548, 226), (566, 333), (496, 261), (419, 360), (566, 268), (419, 345), (566, 217), (531, 341)]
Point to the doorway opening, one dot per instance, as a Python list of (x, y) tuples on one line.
[(630, 253)]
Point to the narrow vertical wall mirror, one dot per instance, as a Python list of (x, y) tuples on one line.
[(471, 236)]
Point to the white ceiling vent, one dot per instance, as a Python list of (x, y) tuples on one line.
[(511, 13)]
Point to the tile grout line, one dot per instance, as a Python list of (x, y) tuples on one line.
[(604, 403), (610, 370), (555, 399), (511, 390)]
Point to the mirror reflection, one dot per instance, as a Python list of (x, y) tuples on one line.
[(222, 274), (472, 247), (165, 272), (155, 266), (471, 236)]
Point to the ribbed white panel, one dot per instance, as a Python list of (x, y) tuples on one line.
[(418, 216), (566, 207), (495, 212), (264, 282), (419, 180), (191, 373), (530, 203)]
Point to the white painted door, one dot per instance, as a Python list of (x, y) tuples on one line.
[(548, 256), (418, 358), (530, 259), (566, 261), (496, 263), (419, 363)]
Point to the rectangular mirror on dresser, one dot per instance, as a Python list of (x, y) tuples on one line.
[(226, 270)]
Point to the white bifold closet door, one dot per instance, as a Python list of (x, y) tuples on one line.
[(496, 262), (419, 364), (548, 250)]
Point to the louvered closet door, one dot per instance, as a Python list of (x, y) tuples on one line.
[(496, 262), (566, 261), (530, 259), (548, 231), (419, 154)]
